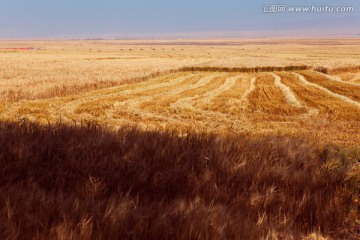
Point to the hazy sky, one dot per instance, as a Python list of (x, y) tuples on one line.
[(113, 18)]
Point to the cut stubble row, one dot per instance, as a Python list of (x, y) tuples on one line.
[(202, 101)]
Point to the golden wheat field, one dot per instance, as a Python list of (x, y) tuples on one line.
[(197, 86), (180, 139), (300, 103)]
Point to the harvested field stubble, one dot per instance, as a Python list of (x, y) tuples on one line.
[(222, 102)]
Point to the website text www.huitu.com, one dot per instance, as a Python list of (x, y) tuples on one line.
[(280, 8)]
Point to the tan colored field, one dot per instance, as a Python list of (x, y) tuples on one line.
[(60, 68), (244, 139), (213, 102), (65, 76)]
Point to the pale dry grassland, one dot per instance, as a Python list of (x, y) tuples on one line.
[(139, 83), (60, 68)]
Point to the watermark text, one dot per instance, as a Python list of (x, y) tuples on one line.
[(281, 8)]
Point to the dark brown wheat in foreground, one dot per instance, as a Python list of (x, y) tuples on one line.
[(61, 182)]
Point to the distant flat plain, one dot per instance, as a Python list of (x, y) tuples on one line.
[(138, 82)]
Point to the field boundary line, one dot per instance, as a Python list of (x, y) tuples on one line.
[(244, 69)]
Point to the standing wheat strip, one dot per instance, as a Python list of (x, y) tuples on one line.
[(289, 95), (336, 95), (338, 79)]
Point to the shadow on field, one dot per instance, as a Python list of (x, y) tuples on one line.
[(62, 182)]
